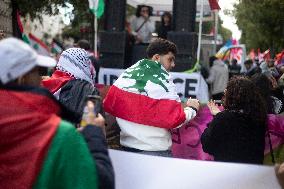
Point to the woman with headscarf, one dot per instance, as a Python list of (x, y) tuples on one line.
[(73, 80)]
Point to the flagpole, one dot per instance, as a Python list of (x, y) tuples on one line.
[(200, 32), (216, 31), (96, 35)]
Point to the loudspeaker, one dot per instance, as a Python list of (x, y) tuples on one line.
[(138, 53), (187, 46), (112, 49), (115, 15), (184, 14)]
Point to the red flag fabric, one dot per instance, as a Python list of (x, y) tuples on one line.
[(266, 55), (28, 122), (57, 80), (214, 5), (19, 22), (280, 57)]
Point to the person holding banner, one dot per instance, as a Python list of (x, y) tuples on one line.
[(145, 102), (237, 134)]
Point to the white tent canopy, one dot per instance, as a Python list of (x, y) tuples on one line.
[(163, 5)]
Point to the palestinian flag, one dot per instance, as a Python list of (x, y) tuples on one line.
[(39, 46), (56, 48), (145, 94), (36, 145), (24, 37)]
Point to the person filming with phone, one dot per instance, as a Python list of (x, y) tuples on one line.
[(72, 83)]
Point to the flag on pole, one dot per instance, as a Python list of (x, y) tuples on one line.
[(97, 7), (39, 46), (25, 38), (214, 5), (56, 48)]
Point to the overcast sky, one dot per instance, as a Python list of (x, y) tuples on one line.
[(229, 22)]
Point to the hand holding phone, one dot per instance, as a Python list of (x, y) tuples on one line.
[(213, 107), (91, 110), (193, 103)]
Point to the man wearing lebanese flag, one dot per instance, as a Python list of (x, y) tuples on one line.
[(145, 102)]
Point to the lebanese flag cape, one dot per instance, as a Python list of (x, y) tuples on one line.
[(28, 122), (145, 94), (57, 80)]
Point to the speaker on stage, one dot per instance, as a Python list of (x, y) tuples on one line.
[(112, 49), (184, 14), (115, 15), (187, 46), (113, 39)]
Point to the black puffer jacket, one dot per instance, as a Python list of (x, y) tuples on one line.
[(73, 95)]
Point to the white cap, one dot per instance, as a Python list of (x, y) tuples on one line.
[(17, 58)]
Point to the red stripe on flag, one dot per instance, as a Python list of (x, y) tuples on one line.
[(31, 36), (214, 5), (28, 123), (141, 109), (20, 25)]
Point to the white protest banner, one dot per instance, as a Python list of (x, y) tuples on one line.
[(187, 85), (151, 172)]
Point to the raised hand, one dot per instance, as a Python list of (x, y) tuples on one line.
[(213, 107), (193, 103)]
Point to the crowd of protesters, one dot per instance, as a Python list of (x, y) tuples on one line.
[(41, 119)]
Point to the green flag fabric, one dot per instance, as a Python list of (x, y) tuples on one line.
[(97, 7)]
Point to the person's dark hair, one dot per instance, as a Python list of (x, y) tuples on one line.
[(263, 84), (249, 62), (139, 7), (161, 46), (243, 95), (168, 14), (84, 44), (211, 60)]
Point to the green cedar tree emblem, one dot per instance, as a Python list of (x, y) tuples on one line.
[(146, 70)]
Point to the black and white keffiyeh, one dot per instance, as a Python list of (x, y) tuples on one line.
[(76, 62)]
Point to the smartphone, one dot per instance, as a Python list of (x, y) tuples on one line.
[(219, 102), (97, 100)]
